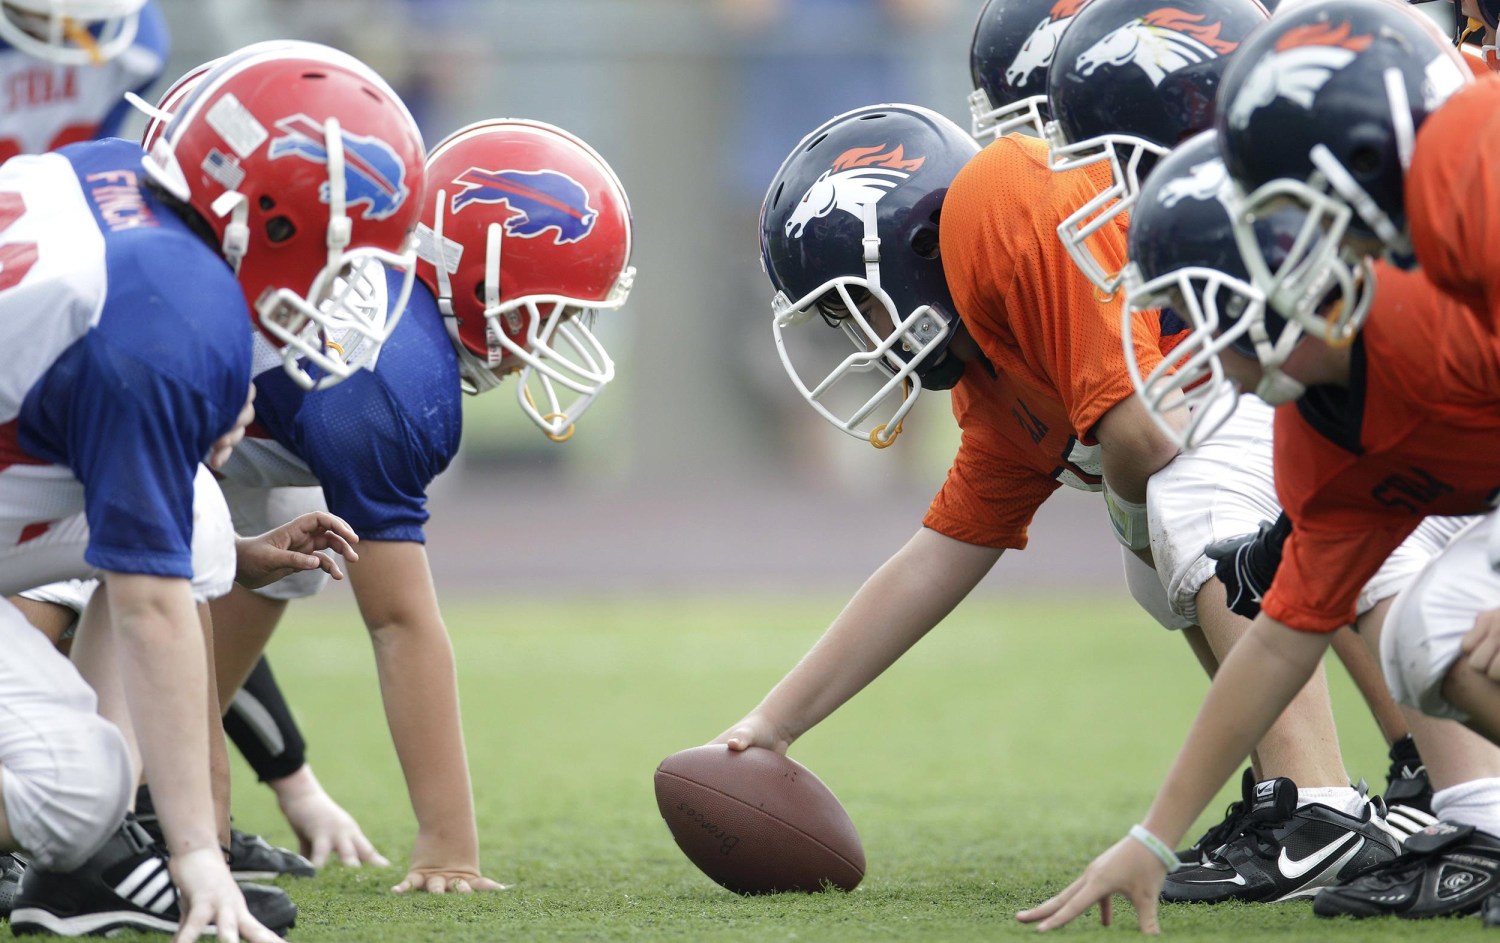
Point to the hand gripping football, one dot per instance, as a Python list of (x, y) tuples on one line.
[(757, 822)]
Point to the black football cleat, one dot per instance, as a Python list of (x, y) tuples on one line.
[(1444, 871), (252, 858), (126, 885), (11, 869), (1283, 852), (1234, 819), (1408, 791)]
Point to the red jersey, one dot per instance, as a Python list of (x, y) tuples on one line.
[(1415, 434), (1453, 198), (1055, 346)]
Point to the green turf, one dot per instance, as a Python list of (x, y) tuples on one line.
[(983, 771)]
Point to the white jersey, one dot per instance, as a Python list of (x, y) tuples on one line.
[(44, 106)]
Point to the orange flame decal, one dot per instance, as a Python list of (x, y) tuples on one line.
[(1321, 34), (1064, 8), (1186, 23), (877, 156)]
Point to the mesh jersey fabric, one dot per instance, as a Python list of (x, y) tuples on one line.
[(1357, 470)]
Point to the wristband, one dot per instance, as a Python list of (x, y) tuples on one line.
[(1157, 847), (1128, 518)]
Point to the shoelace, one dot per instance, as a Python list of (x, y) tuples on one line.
[(1227, 830)]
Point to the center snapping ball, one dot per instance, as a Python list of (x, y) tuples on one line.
[(757, 822)]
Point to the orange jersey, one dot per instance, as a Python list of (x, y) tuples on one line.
[(1056, 347), (1453, 198), (1414, 435)]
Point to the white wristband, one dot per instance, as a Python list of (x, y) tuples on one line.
[(1128, 519), (1156, 846)]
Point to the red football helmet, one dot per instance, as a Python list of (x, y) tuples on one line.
[(525, 229), (259, 143)]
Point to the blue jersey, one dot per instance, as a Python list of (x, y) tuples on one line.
[(376, 440), (44, 106), (128, 348)]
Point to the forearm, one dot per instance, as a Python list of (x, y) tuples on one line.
[(1261, 676), (912, 592), (419, 687), (164, 673)]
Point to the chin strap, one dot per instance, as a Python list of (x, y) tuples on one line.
[(233, 204)]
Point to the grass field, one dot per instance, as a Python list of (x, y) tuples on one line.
[(983, 771)]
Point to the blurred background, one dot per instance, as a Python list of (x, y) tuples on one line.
[(700, 467)]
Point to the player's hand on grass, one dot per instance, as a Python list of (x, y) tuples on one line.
[(1481, 646), (755, 731), (447, 881), (1128, 869), (223, 446), (210, 896), (297, 545), (323, 827)]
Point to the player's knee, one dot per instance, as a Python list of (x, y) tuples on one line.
[(63, 808)]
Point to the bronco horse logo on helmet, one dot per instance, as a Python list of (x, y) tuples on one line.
[(858, 178), (1160, 43), (1302, 63), (1203, 182), (1041, 45)]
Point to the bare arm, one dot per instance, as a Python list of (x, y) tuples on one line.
[(910, 593), (164, 671), (419, 687), (1132, 448)]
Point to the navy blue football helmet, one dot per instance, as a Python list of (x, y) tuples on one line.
[(1321, 110), (1131, 80), (1014, 42), (1185, 263), (849, 236)]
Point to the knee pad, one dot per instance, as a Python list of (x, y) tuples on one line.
[(67, 796)]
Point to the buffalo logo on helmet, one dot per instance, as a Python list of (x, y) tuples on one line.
[(1203, 182), (537, 199), (1160, 43), (858, 178), (1036, 53), (373, 174), (1297, 68)]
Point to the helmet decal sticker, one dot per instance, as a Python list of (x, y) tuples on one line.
[(1203, 182), (1036, 53), (1160, 43), (538, 200), (1302, 63), (858, 178), (372, 172)]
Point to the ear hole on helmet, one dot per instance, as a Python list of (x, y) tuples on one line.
[(279, 229), (924, 242), (1364, 161), (479, 292), (267, 204)]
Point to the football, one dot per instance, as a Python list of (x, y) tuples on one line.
[(757, 822)]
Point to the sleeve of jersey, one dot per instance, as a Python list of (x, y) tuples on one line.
[(135, 438), (1322, 571), (372, 469), (987, 499), (1075, 337)]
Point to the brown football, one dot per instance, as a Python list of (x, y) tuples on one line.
[(757, 822)]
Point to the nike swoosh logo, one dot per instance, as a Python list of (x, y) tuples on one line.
[(1236, 879), (1292, 870)]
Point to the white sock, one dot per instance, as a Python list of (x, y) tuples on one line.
[(1476, 803), (1343, 798)]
